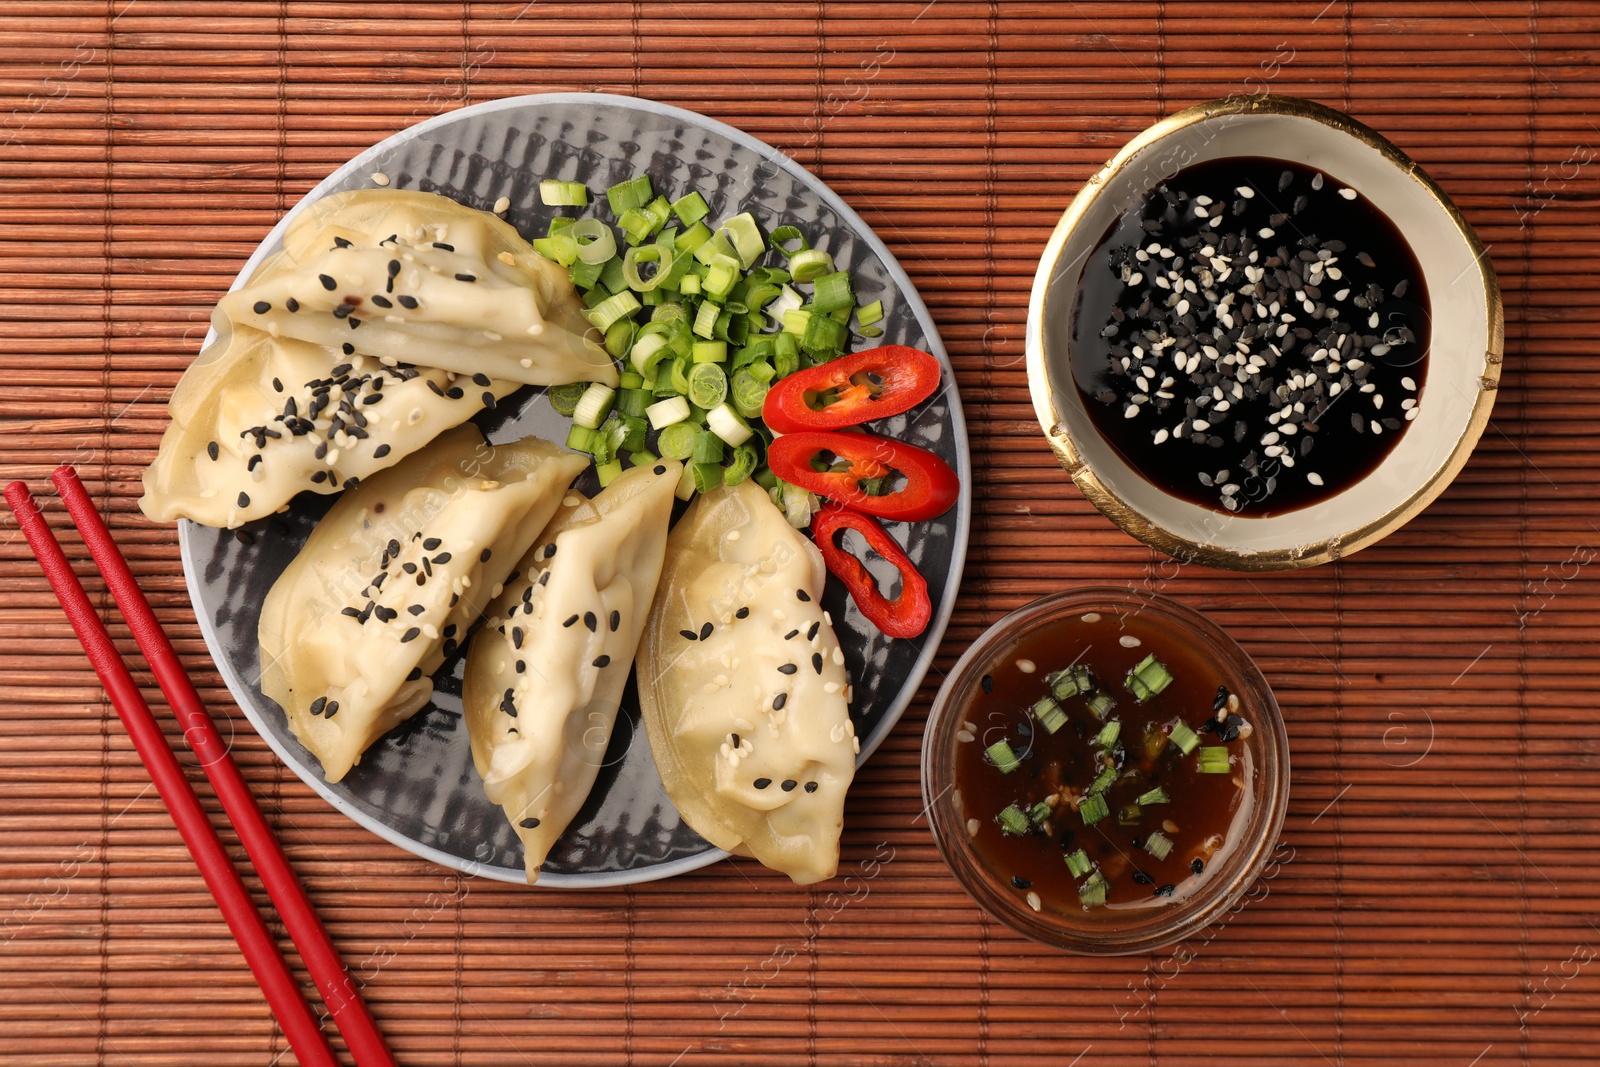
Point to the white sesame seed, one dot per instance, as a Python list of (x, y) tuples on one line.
[(1348, 194), (965, 737), (1129, 641), (502, 205), (1410, 383), (1131, 411), (1246, 192), (1377, 401), (1375, 426), (1026, 666), (1033, 900), (1265, 232), (1090, 616), (1314, 478), (380, 178)]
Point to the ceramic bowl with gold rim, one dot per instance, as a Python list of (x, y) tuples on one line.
[(1451, 390)]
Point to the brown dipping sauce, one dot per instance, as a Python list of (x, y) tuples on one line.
[(1203, 807)]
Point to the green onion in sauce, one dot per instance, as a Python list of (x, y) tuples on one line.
[(1110, 781)]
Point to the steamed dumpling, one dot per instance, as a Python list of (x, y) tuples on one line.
[(390, 580), (257, 420), (743, 689), (545, 674), (419, 278)]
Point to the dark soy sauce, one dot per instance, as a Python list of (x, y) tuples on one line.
[(1205, 418), (1197, 818)]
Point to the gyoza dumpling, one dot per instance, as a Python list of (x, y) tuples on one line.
[(743, 688), (390, 580), (545, 674), (423, 280), (257, 420)]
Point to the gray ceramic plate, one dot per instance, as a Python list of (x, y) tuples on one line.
[(417, 786)]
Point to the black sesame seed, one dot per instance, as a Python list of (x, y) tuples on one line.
[(1141, 878), (332, 709), (811, 634), (441, 244), (1021, 882), (483, 557), (380, 451), (987, 682), (347, 348), (318, 477), (549, 550), (616, 620), (590, 621), (705, 631), (431, 543), (659, 468), (788, 785), (802, 596), (1166, 890), (415, 609), (408, 302), (394, 267), (788, 668), (454, 392), (508, 704), (410, 635), (811, 787), (292, 304), (742, 613), (354, 613), (255, 461), (816, 662), (570, 621), (779, 701), (327, 282), (416, 673), (1221, 700), (261, 307), (1197, 865), (602, 661), (544, 579), (244, 537), (521, 666), (212, 450), (318, 704), (687, 635), (409, 568), (529, 824), (277, 385), (517, 634), (465, 278), (382, 301), (442, 558), (762, 783), (244, 500), (791, 635)]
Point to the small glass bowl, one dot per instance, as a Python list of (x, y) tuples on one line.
[(1102, 932)]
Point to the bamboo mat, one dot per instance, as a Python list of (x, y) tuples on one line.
[(1433, 900)]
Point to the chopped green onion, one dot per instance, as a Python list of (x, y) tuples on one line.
[(1185, 738), (608, 472), (707, 476), (596, 242), (743, 234), (1104, 780), (742, 466), (1049, 714), (1001, 755), (634, 258), (612, 308), (1013, 821), (584, 275), (634, 401), (832, 292), (638, 224), (685, 487), (1092, 809), (664, 413), (708, 385), (677, 440), (867, 314), (1092, 893), (1040, 813), (1149, 678), (705, 320), (748, 391), (1129, 815), (1109, 733), (810, 264), (708, 448), (1158, 844), (871, 331), (1154, 796), (1078, 863), (582, 438), (1070, 682), (1101, 703), (564, 398), (561, 248), (690, 209), (593, 406), (788, 240), (824, 337), (563, 194), (726, 423), (1214, 759), (709, 352), (633, 193)]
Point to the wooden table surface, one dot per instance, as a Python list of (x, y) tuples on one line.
[(1432, 901)]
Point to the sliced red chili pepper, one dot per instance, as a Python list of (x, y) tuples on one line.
[(930, 485), (851, 390), (905, 616)]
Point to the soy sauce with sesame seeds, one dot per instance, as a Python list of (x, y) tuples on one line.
[(1253, 337), (1060, 768)]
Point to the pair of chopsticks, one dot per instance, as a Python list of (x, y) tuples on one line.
[(283, 994)]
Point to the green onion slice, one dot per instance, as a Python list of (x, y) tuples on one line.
[(1001, 755), (1184, 737), (563, 194), (1154, 796), (1078, 863), (1158, 844), (1092, 809), (564, 398), (1013, 820)]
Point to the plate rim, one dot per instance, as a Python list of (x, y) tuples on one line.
[(930, 639)]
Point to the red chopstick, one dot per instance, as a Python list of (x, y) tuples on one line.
[(322, 960), (260, 951)]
